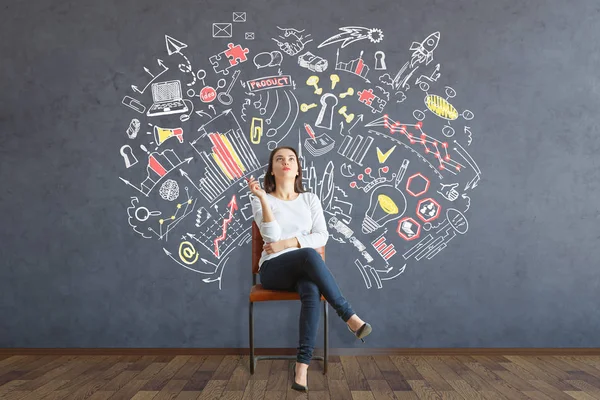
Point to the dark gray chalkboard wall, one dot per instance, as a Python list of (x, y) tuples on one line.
[(525, 274)]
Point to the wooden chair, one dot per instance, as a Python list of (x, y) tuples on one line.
[(258, 294)]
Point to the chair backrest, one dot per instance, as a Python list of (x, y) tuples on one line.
[(257, 248)]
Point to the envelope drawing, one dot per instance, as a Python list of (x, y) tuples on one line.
[(239, 16), (249, 36), (222, 29)]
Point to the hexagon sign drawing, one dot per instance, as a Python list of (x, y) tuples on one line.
[(417, 184), (428, 209), (408, 228)]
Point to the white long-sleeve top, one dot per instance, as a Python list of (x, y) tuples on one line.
[(302, 218)]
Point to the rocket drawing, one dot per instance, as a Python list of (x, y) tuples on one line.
[(424, 51)]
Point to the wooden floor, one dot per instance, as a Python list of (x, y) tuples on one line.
[(349, 377)]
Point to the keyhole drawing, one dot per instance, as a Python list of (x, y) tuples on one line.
[(380, 60), (128, 156), (325, 118)]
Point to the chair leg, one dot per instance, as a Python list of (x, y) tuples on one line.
[(251, 334), (326, 338)]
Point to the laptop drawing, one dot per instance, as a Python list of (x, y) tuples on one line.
[(167, 99)]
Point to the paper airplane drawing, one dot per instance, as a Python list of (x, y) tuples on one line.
[(174, 45)]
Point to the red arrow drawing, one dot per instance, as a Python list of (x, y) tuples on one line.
[(232, 207)]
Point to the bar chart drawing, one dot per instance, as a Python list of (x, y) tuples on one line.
[(355, 148), (229, 159), (384, 249), (356, 66), (159, 166)]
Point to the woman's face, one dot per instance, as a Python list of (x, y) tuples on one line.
[(285, 165)]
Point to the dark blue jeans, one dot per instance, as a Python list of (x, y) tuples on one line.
[(305, 272)]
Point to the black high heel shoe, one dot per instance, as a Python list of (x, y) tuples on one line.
[(362, 332), (297, 386)]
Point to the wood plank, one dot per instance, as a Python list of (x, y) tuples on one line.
[(354, 376), (138, 376), (423, 390), (586, 387), (213, 390), (369, 368), (278, 377), (540, 374), (535, 395), (255, 390), (465, 390), (338, 389), (381, 389), (240, 376), (127, 390), (550, 390), (405, 367), (171, 389), (160, 379), (581, 396)]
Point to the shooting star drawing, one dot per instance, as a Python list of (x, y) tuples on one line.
[(353, 34)]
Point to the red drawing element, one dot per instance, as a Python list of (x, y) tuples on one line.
[(406, 228), (360, 176), (236, 54), (386, 251), (309, 130), (270, 81), (178, 133), (424, 140), (221, 151), (375, 103), (428, 209), (156, 166), (352, 184), (385, 169), (359, 67), (232, 207), (208, 94), (366, 96), (417, 185), (368, 170)]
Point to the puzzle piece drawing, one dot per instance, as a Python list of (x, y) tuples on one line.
[(236, 54), (226, 59), (367, 97)]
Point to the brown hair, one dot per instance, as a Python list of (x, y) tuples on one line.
[(270, 179)]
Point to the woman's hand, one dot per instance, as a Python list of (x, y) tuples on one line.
[(255, 188), (275, 247)]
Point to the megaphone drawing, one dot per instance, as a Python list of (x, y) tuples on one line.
[(162, 134)]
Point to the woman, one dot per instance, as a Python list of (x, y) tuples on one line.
[(292, 225)]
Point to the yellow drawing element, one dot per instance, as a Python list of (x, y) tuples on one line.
[(305, 107), (162, 134), (256, 129), (313, 81), (349, 117), (440, 107), (335, 78), (349, 92), (233, 153), (387, 204), (222, 166), (384, 156), (172, 217), (187, 253)]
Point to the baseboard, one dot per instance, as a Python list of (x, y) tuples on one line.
[(530, 351)]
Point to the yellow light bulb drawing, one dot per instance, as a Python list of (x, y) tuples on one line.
[(387, 203)]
